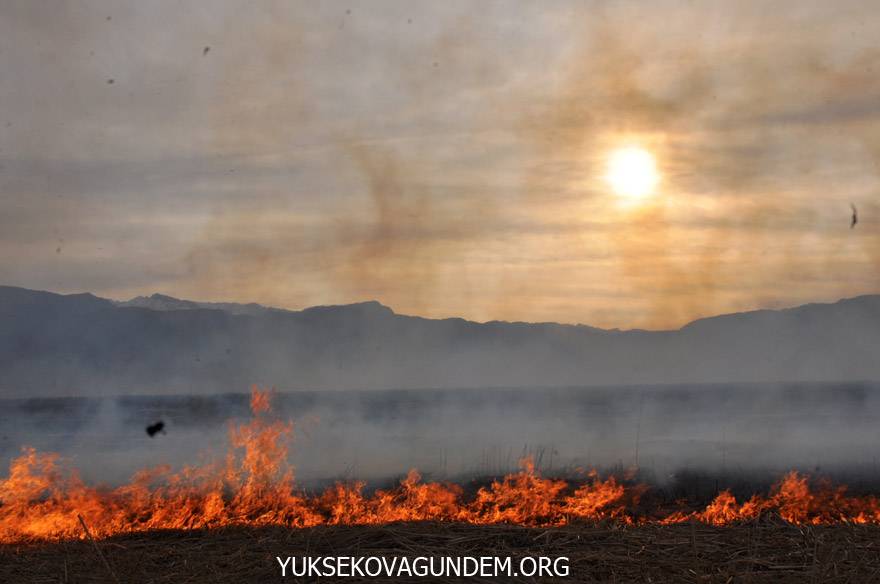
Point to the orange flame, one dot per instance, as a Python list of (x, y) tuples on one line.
[(255, 485), (794, 501)]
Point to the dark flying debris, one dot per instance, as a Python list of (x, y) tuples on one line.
[(205, 51), (154, 429), (855, 216), (111, 81)]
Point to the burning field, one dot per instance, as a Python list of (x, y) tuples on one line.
[(248, 506), (254, 485)]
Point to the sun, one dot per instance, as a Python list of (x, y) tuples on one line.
[(632, 172)]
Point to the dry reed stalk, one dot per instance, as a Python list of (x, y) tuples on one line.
[(97, 549)]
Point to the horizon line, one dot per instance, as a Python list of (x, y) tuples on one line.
[(395, 313)]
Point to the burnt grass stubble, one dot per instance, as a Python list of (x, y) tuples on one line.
[(766, 550)]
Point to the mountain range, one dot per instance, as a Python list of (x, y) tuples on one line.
[(80, 344)]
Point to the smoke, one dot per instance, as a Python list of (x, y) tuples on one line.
[(734, 210), (722, 430), (446, 160), (394, 246)]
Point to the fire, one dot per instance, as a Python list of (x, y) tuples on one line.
[(519, 498), (793, 500), (412, 500), (254, 485)]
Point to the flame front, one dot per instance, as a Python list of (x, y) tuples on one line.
[(255, 485)]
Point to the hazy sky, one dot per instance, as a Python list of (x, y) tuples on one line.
[(445, 158)]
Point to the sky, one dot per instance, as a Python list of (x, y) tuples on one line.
[(444, 158)]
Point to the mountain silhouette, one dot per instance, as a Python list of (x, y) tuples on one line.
[(79, 344)]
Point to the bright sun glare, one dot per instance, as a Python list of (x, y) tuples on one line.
[(632, 172)]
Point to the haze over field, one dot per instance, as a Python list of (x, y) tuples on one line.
[(624, 164), (732, 432)]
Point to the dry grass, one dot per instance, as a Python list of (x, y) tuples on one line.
[(767, 551)]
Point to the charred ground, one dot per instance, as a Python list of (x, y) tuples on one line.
[(765, 551)]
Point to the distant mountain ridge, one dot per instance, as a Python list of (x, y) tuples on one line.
[(80, 344), (163, 302)]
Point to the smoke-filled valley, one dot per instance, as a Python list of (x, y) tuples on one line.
[(757, 393)]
